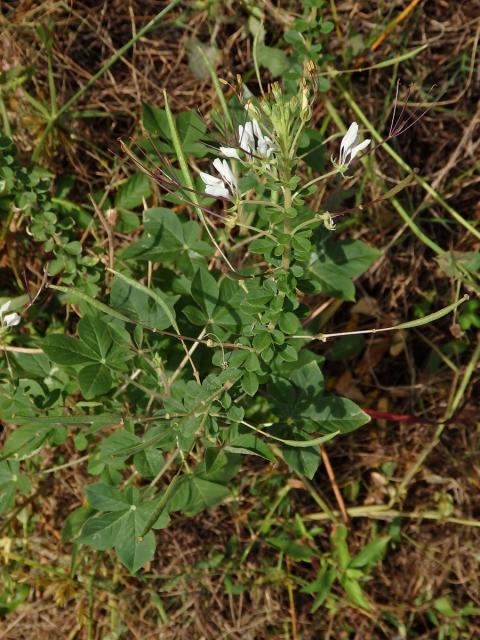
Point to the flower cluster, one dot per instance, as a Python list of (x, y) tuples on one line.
[(254, 143)]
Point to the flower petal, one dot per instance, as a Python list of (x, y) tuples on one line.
[(5, 307), (265, 147), (256, 129), (246, 139), (210, 180), (359, 147), (218, 191), (230, 152), (224, 170), (348, 141), (11, 319)]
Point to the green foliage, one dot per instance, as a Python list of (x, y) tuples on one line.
[(119, 524), (52, 220), (11, 481), (183, 364), (305, 40), (349, 572)]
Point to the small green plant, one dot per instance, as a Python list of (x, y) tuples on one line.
[(194, 354), (347, 570)]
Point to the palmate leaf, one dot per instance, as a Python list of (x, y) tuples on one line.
[(96, 348), (190, 126), (102, 531), (120, 524), (352, 257), (136, 555), (118, 446), (122, 530), (149, 462), (155, 120), (163, 223), (330, 281), (248, 443), (36, 365), (20, 399), (300, 401), (202, 489), (137, 305)]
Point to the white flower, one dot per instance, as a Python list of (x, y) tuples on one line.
[(230, 152), (11, 319), (5, 307), (348, 148), (223, 187), (252, 141), (264, 145), (246, 138)]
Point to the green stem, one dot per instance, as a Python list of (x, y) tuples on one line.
[(383, 512), (327, 512), (315, 220), (6, 225), (415, 228), (465, 380), (287, 225), (51, 79), (188, 178), (217, 87), (325, 176), (6, 124)]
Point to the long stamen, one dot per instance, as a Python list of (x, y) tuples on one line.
[(395, 102)]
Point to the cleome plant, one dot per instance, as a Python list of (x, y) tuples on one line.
[(198, 350)]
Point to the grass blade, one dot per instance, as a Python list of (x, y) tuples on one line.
[(188, 178)]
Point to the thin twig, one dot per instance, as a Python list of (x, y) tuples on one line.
[(8, 347), (333, 481)]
